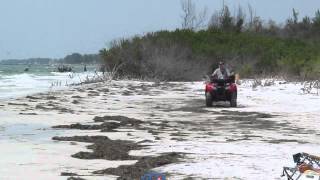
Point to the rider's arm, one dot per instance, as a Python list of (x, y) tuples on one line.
[(215, 73), (228, 72)]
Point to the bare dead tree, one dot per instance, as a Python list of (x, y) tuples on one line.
[(201, 18), (257, 24), (239, 19), (189, 11), (251, 16), (190, 18), (240, 14), (215, 20)]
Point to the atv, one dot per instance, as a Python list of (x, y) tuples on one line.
[(221, 90)]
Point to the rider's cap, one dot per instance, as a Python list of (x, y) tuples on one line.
[(221, 63)]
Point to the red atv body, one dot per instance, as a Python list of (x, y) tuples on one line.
[(221, 90)]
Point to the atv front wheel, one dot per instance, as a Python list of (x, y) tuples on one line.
[(233, 101), (208, 99)]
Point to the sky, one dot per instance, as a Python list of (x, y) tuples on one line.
[(56, 28)]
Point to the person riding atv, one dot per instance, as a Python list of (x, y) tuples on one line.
[(221, 73), (221, 87)]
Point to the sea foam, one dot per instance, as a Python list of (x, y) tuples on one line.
[(18, 85)]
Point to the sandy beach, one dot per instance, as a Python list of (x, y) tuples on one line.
[(161, 89), (122, 129)]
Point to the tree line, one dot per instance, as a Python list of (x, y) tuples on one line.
[(248, 44), (74, 58)]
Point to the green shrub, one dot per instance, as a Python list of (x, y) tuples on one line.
[(187, 55)]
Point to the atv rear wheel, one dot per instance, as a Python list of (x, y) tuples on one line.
[(233, 101), (208, 99)]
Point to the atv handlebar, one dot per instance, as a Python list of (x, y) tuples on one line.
[(231, 79)]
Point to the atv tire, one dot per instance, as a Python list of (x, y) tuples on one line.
[(208, 99), (233, 101)]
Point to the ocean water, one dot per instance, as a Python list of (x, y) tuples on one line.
[(15, 82)]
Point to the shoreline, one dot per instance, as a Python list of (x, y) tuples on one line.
[(21, 108), (165, 119)]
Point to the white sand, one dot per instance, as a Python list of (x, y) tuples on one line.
[(27, 151)]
